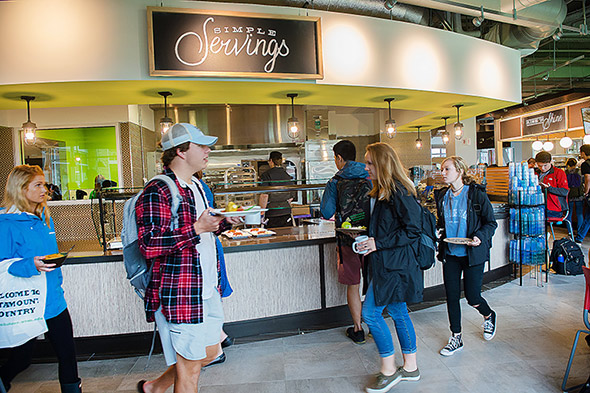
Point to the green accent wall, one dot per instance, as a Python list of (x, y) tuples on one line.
[(84, 153)]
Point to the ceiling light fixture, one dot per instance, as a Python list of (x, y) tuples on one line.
[(29, 128), (389, 4), (566, 142), (558, 33), (445, 135), (537, 145), (418, 141), (458, 124), (292, 122), (165, 122), (479, 20), (390, 126), (548, 145)]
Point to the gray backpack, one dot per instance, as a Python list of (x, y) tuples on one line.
[(139, 273)]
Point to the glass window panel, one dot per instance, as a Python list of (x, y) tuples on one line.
[(71, 158)]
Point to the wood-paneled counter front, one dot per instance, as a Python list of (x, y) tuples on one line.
[(292, 273)]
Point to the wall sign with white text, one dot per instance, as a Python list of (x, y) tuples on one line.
[(544, 122), (185, 42)]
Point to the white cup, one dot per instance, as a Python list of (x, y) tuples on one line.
[(252, 219), (357, 240)]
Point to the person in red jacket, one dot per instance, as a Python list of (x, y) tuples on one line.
[(554, 181)]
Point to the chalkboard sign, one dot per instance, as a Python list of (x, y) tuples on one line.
[(186, 42)]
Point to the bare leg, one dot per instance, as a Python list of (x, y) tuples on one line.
[(354, 305), (388, 365), (162, 383), (410, 363), (188, 371)]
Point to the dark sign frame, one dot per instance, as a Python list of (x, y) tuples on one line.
[(259, 45), (541, 123)]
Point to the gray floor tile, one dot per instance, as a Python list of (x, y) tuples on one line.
[(536, 327)]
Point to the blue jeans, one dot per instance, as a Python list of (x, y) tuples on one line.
[(373, 316), (579, 207)]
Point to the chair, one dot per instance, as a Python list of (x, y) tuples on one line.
[(561, 220), (587, 323)]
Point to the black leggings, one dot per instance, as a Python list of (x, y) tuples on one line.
[(61, 336), (472, 280)]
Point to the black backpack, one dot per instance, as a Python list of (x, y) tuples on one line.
[(573, 258), (427, 244), (353, 204)]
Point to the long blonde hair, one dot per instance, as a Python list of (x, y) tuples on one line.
[(460, 165), (18, 180), (389, 169)]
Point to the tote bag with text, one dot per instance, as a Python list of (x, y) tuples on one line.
[(22, 306)]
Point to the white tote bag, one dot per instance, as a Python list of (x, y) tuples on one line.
[(22, 306)]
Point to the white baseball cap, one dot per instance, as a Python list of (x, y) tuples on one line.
[(180, 133)]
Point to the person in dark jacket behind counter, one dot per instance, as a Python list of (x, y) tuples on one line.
[(395, 277), (464, 211)]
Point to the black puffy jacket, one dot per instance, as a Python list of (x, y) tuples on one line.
[(480, 222), (394, 270)]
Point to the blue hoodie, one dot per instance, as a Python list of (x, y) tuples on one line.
[(351, 170), (24, 235)]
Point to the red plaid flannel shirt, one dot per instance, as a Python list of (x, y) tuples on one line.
[(177, 279)]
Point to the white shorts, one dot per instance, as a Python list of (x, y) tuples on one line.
[(191, 340)]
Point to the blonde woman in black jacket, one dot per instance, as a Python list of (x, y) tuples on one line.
[(395, 277), (464, 211)]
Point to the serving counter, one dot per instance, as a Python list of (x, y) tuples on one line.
[(284, 282)]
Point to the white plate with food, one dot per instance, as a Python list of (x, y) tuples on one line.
[(236, 234), (239, 212), (259, 232), (458, 240)]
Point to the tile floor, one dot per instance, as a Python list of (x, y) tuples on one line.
[(536, 326), (535, 332)]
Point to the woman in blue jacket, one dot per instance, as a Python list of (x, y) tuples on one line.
[(395, 277), (27, 232)]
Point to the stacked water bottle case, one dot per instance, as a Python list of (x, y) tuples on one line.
[(527, 216)]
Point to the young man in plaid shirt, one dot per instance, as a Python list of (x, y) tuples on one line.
[(183, 295)]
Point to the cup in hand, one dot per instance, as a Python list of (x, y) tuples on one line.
[(357, 240)]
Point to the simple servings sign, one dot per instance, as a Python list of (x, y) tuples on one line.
[(203, 43)]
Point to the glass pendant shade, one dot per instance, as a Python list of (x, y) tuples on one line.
[(566, 142), (537, 145), (548, 146), (458, 124), (29, 128), (390, 128), (293, 123), (165, 122), (445, 138)]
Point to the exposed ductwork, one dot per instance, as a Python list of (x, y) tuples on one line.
[(521, 28)]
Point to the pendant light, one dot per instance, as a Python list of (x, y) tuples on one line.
[(445, 135), (418, 141), (29, 128), (537, 145), (458, 124), (566, 142), (390, 127), (165, 122), (548, 145), (292, 123)]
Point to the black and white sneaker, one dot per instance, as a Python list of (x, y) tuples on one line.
[(455, 345), (489, 327)]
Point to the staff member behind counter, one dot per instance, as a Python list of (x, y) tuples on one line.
[(278, 203)]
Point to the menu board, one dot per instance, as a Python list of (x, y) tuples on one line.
[(186, 42), (586, 120), (544, 122)]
